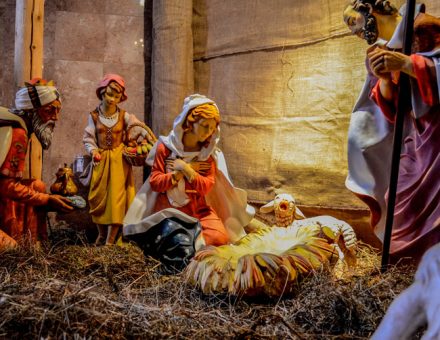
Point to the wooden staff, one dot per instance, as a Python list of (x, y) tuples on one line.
[(28, 64), (403, 106)]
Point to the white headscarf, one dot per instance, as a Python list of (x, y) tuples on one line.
[(33, 97), (174, 139)]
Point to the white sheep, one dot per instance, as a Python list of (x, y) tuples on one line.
[(416, 306), (285, 209)]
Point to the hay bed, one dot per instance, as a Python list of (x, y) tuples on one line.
[(80, 291)]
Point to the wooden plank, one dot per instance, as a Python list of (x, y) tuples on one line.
[(28, 64)]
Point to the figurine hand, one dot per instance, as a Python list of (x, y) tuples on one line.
[(376, 60), (177, 176), (59, 203), (169, 165), (383, 62), (179, 165), (186, 168), (149, 135), (201, 167), (96, 157), (139, 133)]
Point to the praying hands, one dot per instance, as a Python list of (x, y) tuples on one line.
[(181, 168)]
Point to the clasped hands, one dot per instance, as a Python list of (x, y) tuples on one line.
[(383, 62), (180, 168)]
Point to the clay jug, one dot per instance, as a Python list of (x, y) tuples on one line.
[(64, 184)]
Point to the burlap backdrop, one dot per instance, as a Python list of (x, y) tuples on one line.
[(285, 74)]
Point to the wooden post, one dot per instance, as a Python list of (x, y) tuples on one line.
[(28, 64), (148, 58)]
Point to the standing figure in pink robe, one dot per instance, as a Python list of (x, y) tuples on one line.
[(417, 213)]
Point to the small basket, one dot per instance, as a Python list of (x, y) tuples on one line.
[(134, 159)]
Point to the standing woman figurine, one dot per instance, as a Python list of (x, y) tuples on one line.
[(112, 184)]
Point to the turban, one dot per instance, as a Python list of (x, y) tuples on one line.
[(108, 78), (36, 94)]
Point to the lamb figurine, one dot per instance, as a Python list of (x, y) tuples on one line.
[(416, 306), (288, 214), (285, 209)]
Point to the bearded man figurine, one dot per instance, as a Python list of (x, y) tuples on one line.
[(24, 202), (417, 210)]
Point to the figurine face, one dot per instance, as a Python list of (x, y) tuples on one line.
[(50, 111), (43, 122), (284, 208), (204, 128), (111, 96), (362, 25), (355, 21)]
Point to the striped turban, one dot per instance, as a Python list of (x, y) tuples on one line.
[(36, 94)]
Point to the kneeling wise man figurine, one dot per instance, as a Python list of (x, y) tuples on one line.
[(24, 202)]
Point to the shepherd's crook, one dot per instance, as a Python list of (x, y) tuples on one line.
[(404, 103)]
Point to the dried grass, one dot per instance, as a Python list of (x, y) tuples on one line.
[(79, 291)]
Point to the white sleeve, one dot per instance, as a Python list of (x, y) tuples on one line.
[(89, 139), (131, 119), (127, 120)]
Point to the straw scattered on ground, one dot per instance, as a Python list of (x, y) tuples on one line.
[(78, 291)]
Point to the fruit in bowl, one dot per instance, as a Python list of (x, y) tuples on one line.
[(135, 153)]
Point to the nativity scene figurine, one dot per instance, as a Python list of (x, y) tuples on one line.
[(25, 202), (189, 181), (417, 210), (111, 184)]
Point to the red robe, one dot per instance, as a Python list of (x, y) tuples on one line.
[(20, 215), (213, 230)]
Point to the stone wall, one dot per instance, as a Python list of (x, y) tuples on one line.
[(84, 40), (7, 33)]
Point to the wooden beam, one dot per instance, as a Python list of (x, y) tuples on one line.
[(148, 61), (28, 64)]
